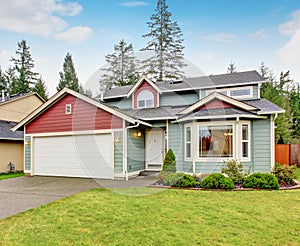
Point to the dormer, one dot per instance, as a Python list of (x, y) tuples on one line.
[(144, 94)]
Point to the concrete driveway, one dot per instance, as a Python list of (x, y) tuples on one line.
[(23, 193)]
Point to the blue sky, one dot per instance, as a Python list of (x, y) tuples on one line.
[(216, 32)]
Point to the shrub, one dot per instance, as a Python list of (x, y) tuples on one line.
[(217, 181), (262, 181), (234, 170), (169, 163), (285, 174), (162, 175), (180, 180)]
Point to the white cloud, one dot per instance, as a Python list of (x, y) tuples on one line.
[(222, 37), (75, 34), (39, 17), (260, 34), (208, 56), (134, 4), (5, 56), (289, 52), (291, 27)]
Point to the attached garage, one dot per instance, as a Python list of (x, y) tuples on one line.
[(88, 156)]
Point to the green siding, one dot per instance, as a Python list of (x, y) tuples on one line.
[(176, 143), (135, 151), (123, 103), (255, 91), (27, 153), (261, 146), (118, 152), (178, 98)]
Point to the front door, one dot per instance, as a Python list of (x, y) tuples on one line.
[(154, 149)]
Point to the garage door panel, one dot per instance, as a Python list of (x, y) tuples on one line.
[(74, 156)]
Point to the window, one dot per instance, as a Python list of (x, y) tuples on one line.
[(240, 92), (68, 108), (236, 92), (188, 142), (245, 142), (216, 141), (145, 99)]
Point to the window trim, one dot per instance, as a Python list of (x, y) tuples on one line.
[(145, 98), (243, 141), (220, 158), (188, 142), (68, 108), (230, 89)]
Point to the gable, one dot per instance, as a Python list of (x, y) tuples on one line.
[(215, 104), (17, 109), (145, 86), (84, 116)]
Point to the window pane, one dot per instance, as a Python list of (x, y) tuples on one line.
[(188, 150), (223, 92), (240, 92), (245, 149), (149, 103), (215, 141), (188, 134), (245, 132), (141, 103)]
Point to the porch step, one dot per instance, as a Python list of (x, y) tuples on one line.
[(149, 173)]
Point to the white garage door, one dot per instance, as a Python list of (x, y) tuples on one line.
[(87, 156)]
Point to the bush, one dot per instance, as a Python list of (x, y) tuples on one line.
[(169, 163), (285, 174), (180, 180), (217, 181), (162, 175), (261, 181), (234, 170)]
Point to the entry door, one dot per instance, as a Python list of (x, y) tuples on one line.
[(154, 149)]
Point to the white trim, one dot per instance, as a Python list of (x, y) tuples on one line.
[(271, 112), (144, 96), (61, 94), (248, 123), (140, 81), (221, 97), (68, 108), (230, 89), (188, 142), (167, 130), (75, 133)]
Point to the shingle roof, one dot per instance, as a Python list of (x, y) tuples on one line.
[(211, 81), (18, 96), (264, 106), (7, 133)]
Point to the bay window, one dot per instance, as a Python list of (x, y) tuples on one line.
[(188, 142), (245, 142)]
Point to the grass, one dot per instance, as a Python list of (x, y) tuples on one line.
[(11, 175), (170, 217), (298, 173)]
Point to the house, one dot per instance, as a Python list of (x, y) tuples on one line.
[(205, 121), (13, 109)]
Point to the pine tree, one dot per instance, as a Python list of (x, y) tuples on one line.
[(10, 78), (41, 88), (231, 68), (3, 85), (122, 69), (68, 77), (167, 44), (23, 64)]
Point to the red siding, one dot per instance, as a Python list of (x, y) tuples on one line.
[(84, 117), (216, 104), (145, 86)]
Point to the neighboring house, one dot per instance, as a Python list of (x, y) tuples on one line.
[(205, 121), (13, 109)]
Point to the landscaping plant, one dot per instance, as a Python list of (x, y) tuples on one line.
[(180, 180), (261, 181), (235, 172), (285, 174), (217, 181), (169, 163)]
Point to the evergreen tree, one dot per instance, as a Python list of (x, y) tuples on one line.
[(231, 68), (122, 66), (41, 88), (3, 85), (167, 44), (295, 106), (23, 64), (68, 77), (10, 78)]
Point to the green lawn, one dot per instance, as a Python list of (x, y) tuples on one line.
[(11, 175), (298, 173), (170, 217)]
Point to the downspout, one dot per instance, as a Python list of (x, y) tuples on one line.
[(273, 127), (125, 147)]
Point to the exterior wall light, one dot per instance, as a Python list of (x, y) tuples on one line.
[(118, 139), (139, 133)]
